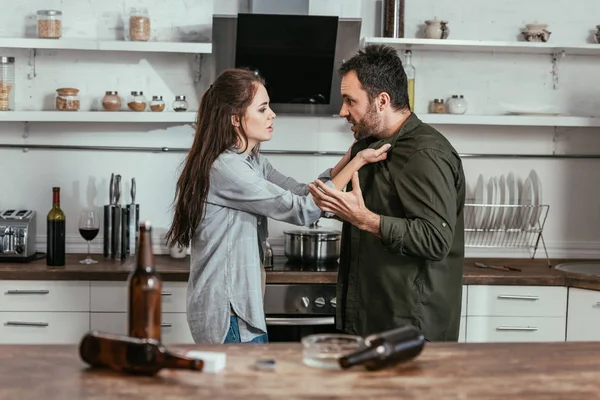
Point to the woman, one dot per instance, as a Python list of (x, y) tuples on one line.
[(224, 196)]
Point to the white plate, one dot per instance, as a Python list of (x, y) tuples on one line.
[(503, 193), (537, 198), (527, 199), (480, 198), (513, 199)]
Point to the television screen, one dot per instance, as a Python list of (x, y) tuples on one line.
[(293, 53)]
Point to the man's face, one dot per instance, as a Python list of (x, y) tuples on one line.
[(358, 109)]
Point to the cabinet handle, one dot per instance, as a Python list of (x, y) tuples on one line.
[(517, 328), (18, 323), (518, 297), (27, 292), (598, 304), (165, 325), (167, 293)]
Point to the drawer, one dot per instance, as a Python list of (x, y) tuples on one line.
[(516, 329), (518, 301), (44, 296), (113, 296), (583, 315), (43, 327), (174, 326)]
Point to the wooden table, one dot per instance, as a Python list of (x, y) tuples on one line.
[(442, 371)]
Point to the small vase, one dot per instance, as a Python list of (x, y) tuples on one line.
[(436, 29), (536, 33), (597, 34)]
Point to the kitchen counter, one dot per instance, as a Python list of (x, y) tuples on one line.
[(442, 371), (534, 272)]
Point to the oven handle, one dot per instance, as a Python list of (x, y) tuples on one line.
[(300, 321)]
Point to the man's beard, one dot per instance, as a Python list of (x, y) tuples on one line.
[(369, 125)]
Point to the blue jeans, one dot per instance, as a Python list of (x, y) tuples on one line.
[(233, 336)]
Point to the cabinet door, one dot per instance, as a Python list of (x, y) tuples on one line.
[(583, 315), (517, 301), (174, 326), (115, 323), (113, 296), (44, 296), (462, 333), (516, 329), (43, 327)]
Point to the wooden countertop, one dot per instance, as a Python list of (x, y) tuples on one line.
[(533, 272), (442, 371)]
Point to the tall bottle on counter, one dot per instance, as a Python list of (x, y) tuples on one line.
[(55, 232), (145, 291), (411, 72)]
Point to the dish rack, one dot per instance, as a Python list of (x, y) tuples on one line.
[(506, 226)]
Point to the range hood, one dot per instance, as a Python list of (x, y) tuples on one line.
[(297, 54)]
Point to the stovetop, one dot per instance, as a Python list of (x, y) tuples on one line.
[(282, 264)]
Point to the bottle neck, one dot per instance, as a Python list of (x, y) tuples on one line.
[(175, 361), (408, 58), (361, 356), (56, 199), (145, 255)]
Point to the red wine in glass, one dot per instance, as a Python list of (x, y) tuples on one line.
[(89, 225)]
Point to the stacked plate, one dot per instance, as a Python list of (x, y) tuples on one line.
[(502, 203)]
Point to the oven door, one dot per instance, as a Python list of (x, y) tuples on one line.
[(294, 328)]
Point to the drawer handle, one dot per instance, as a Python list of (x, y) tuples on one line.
[(35, 324), (165, 325), (518, 297), (27, 292), (167, 293), (598, 304), (517, 328)]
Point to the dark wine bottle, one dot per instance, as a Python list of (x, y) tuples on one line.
[(55, 232), (131, 355), (386, 349), (145, 291)]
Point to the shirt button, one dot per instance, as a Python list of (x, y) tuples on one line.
[(443, 224), (259, 222)]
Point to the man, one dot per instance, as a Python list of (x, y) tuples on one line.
[(403, 234)]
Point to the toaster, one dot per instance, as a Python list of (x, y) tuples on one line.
[(17, 235)]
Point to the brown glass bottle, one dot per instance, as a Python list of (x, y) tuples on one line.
[(55, 232), (145, 290), (131, 355), (386, 349)]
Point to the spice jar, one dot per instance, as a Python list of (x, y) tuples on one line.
[(139, 25), (137, 101), (457, 104), (438, 106), (67, 99), (49, 24), (180, 103), (111, 101), (157, 104), (7, 83)]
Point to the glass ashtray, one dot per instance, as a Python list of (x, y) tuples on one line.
[(324, 350)]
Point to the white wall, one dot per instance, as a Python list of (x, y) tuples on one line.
[(491, 83)]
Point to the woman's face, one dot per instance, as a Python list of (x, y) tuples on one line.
[(258, 120)]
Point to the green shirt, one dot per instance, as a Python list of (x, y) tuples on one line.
[(413, 274)]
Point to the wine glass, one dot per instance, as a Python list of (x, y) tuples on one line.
[(89, 226)]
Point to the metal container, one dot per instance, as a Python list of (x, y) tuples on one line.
[(312, 246)]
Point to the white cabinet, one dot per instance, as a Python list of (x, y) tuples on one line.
[(516, 313), (462, 333), (583, 315), (45, 296), (43, 327)]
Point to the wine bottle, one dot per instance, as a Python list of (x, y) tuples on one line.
[(386, 348), (131, 355), (145, 291), (55, 232)]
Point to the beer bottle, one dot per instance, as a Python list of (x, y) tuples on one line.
[(131, 355), (145, 290), (386, 349)]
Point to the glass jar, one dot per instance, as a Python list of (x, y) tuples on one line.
[(157, 104), (111, 101), (7, 83), (180, 104), (137, 101), (457, 104), (438, 106), (67, 99), (139, 25), (49, 24)]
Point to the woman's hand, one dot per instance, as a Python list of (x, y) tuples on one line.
[(374, 155)]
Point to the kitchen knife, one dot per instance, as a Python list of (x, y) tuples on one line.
[(133, 218), (108, 217), (117, 221)]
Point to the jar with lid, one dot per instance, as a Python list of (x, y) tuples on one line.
[(139, 25), (111, 101), (49, 24), (157, 104), (457, 104), (137, 101), (67, 99), (7, 83), (437, 106), (180, 103)]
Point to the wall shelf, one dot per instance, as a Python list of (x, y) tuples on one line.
[(550, 48), (98, 116), (510, 120), (106, 45)]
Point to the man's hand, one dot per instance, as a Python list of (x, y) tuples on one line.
[(349, 206)]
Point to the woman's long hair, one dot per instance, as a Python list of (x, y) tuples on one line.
[(230, 95)]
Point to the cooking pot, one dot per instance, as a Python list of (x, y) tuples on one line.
[(312, 245)]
